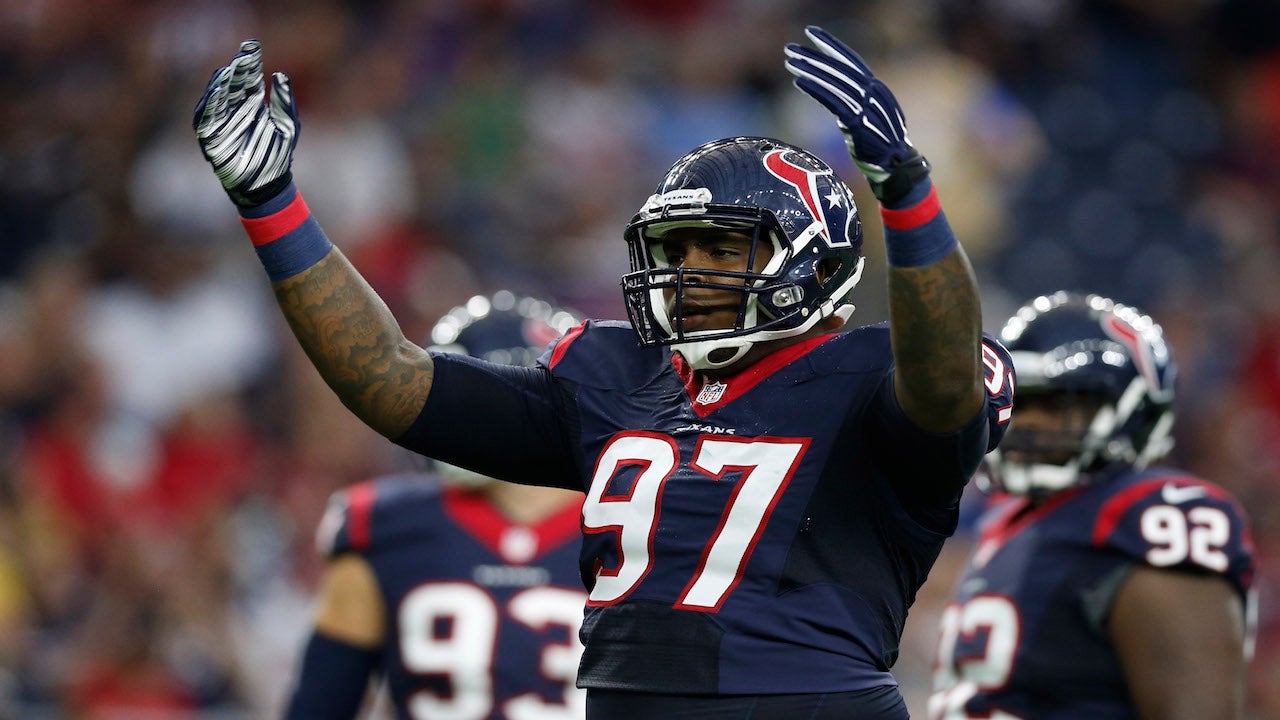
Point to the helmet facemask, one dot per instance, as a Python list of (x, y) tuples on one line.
[(1050, 454), (811, 269), (771, 305)]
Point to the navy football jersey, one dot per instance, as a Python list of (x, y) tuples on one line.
[(764, 533), (1025, 634), (482, 613)]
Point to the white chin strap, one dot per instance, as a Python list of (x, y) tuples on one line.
[(698, 353), (1024, 478)]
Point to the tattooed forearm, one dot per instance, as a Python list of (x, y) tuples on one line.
[(936, 329), (356, 344)]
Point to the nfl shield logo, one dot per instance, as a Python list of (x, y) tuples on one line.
[(711, 392)]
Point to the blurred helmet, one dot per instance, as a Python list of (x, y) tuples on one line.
[(503, 328), (782, 196), (1091, 358)]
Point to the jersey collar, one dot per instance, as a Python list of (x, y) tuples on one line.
[(706, 395)]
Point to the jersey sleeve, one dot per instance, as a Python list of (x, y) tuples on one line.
[(1180, 523), (931, 469), (998, 380), (500, 421)]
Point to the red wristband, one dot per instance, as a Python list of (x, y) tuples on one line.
[(278, 224), (914, 216)]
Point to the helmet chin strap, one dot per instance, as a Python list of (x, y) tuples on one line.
[(698, 354), (1024, 478)]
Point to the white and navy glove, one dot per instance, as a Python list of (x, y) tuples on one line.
[(248, 140), (866, 111)]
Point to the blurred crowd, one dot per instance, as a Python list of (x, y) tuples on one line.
[(165, 449)]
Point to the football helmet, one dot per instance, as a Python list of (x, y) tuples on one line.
[(503, 328), (777, 194), (1088, 357)]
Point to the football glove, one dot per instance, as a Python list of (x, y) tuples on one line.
[(866, 111), (248, 140)]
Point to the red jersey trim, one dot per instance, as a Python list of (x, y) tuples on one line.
[(563, 346), (360, 515), (738, 385), (477, 515)]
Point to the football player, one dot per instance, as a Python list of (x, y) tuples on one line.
[(463, 596), (1101, 585), (765, 489)]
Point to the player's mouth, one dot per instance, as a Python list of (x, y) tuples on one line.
[(696, 316)]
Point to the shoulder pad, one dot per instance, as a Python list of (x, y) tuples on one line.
[(363, 516), (605, 354), (1172, 520), (861, 349)]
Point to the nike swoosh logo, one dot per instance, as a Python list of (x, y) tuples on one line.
[(1175, 495)]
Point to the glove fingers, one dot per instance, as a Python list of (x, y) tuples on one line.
[(246, 73), (284, 109), (827, 97), (835, 74), (836, 83), (807, 57), (214, 98), (836, 50), (866, 123), (806, 62), (883, 102), (888, 119)]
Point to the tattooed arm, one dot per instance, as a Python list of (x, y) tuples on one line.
[(936, 328), (342, 324), (934, 316), (356, 344)]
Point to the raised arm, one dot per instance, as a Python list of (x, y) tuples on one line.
[(935, 317), (345, 328)]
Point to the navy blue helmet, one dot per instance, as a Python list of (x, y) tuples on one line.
[(1108, 359), (779, 194), (504, 328)]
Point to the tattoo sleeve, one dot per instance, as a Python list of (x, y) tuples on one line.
[(356, 344), (935, 322)]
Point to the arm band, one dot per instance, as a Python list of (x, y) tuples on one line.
[(917, 232), (332, 680), (285, 236)]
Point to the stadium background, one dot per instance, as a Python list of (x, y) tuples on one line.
[(165, 449)]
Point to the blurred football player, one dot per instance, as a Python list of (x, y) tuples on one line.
[(464, 595), (765, 489), (1101, 585)]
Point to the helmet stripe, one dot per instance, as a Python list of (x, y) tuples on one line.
[(1125, 333), (806, 181)]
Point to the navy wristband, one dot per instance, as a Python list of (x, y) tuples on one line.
[(918, 234)]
